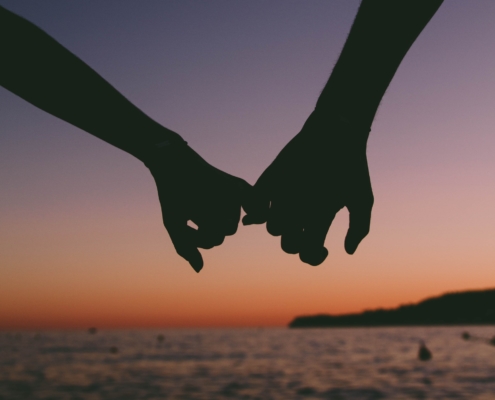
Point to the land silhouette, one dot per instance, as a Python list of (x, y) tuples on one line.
[(476, 307)]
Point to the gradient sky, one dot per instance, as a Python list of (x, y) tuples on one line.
[(81, 237)]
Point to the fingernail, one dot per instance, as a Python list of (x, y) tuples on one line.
[(351, 248), (197, 265), (351, 244), (313, 260), (324, 255), (197, 268)]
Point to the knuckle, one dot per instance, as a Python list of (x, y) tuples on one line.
[(206, 246), (367, 201), (313, 257), (309, 259), (273, 230), (371, 200), (231, 230), (290, 248)]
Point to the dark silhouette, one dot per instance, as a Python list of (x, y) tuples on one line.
[(464, 308), (472, 338), (321, 170), (324, 167), (160, 338), (41, 71), (92, 331), (424, 354)]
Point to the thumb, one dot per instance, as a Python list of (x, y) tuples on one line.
[(359, 227), (256, 206), (256, 201)]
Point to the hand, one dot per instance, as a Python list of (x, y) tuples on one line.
[(321, 170), (190, 189)]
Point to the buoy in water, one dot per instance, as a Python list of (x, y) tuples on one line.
[(466, 335), (492, 341), (160, 338), (424, 354), (114, 350), (92, 330)]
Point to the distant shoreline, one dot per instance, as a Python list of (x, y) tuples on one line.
[(390, 326), (451, 309)]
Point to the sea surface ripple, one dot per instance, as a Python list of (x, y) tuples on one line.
[(357, 363)]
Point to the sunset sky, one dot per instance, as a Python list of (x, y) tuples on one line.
[(81, 236)]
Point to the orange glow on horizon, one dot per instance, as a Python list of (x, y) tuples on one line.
[(81, 236)]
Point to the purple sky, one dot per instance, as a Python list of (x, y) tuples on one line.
[(237, 80)]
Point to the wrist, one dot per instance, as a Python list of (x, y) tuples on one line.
[(357, 110), (148, 140), (330, 125), (168, 150)]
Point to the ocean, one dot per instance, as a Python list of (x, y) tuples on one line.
[(355, 363)]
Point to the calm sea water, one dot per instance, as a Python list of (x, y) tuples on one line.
[(373, 363)]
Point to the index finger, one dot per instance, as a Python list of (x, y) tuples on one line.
[(184, 240)]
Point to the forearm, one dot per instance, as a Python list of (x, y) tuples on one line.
[(381, 35), (41, 71)]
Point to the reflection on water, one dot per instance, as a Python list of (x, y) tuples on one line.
[(370, 363)]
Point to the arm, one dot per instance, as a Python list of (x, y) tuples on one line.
[(382, 34), (37, 68), (324, 167), (41, 71)]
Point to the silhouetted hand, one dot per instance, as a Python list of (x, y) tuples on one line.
[(321, 170), (190, 189)]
